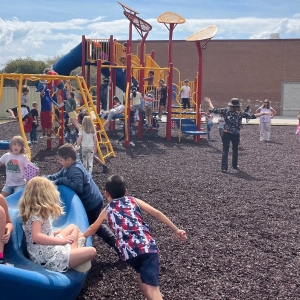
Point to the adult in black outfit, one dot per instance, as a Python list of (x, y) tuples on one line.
[(233, 122)]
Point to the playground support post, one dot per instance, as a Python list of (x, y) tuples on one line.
[(199, 87), (98, 85), (127, 98), (83, 56), (169, 115), (61, 122)]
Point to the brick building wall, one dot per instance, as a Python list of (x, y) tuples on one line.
[(247, 69)]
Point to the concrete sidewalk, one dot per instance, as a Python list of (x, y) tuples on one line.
[(277, 120)]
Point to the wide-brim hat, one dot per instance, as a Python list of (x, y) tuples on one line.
[(235, 102)]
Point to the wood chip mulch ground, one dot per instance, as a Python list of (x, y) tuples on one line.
[(242, 226)]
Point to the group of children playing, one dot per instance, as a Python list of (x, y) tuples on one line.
[(63, 249)]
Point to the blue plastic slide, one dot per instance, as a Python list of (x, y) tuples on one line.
[(72, 60), (23, 279)]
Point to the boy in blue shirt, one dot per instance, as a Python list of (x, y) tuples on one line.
[(75, 176)]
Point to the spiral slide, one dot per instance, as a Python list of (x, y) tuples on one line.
[(72, 60)]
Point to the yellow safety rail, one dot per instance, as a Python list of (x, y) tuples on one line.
[(126, 111), (97, 49), (103, 140), (119, 54)]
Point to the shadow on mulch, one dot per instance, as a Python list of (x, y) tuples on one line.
[(243, 226)]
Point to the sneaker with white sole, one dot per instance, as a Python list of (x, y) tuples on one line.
[(81, 242), (11, 117), (84, 267), (43, 137), (132, 144)]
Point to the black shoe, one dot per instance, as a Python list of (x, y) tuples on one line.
[(224, 171), (237, 167), (105, 168), (2, 262)]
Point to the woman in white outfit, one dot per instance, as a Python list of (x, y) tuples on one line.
[(265, 120)]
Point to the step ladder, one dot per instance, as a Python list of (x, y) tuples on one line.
[(104, 146)]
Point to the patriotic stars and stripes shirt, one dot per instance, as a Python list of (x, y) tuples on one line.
[(133, 236)]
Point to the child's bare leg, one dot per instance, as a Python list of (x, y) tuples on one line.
[(74, 231), (11, 112), (4, 194), (105, 123), (2, 228), (81, 255), (75, 123), (149, 291), (98, 160)]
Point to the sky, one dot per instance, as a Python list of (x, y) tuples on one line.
[(45, 28)]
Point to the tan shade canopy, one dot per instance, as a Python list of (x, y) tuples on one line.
[(204, 34), (170, 18), (138, 22)]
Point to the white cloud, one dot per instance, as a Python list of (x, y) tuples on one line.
[(45, 39)]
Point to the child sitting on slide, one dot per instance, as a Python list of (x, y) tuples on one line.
[(6, 227), (58, 250), (117, 109)]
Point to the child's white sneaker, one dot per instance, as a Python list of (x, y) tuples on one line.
[(84, 267)]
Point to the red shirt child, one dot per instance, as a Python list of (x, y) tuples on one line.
[(27, 122)]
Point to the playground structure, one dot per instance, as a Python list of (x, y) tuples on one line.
[(117, 61), (104, 147)]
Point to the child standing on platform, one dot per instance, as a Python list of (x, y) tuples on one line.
[(6, 227), (58, 250), (35, 123), (88, 140), (136, 245), (185, 94), (15, 162), (148, 102), (136, 102)]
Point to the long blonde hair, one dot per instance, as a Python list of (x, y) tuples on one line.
[(40, 198), (88, 125)]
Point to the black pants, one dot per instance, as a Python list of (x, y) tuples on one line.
[(235, 140), (104, 232), (186, 102), (103, 102)]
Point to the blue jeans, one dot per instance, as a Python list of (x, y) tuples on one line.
[(209, 126), (69, 137), (33, 134), (132, 135)]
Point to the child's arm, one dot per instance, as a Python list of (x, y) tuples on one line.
[(8, 226), (42, 239), (95, 226), (79, 140), (56, 175), (180, 234)]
